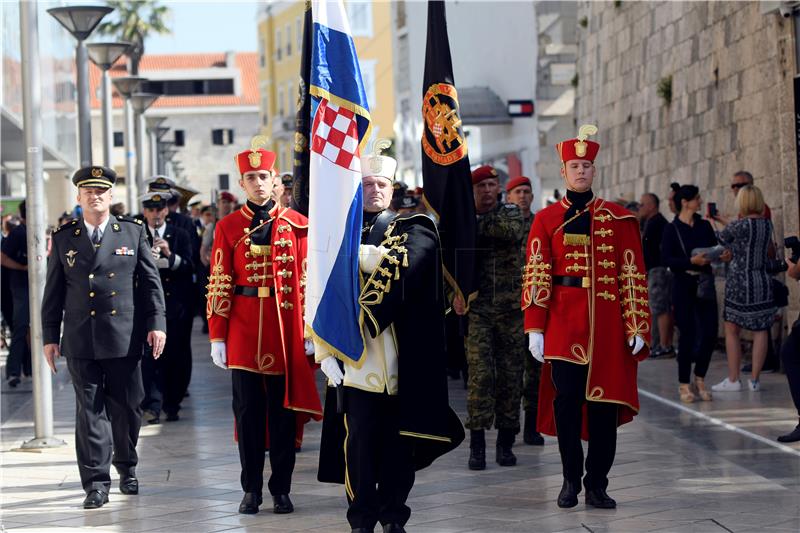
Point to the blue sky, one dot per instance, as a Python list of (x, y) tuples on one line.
[(208, 26)]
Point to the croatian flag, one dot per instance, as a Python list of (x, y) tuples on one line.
[(340, 127)]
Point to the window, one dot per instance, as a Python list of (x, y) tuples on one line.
[(189, 87), (359, 13), (368, 77), (224, 182), (298, 29), (119, 139), (222, 137), (288, 40), (179, 138), (280, 103), (278, 45)]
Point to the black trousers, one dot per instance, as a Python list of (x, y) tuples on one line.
[(697, 321), (570, 382), (790, 357), (258, 398), (379, 465), (177, 362), (107, 417)]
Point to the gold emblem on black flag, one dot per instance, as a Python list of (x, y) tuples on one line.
[(443, 139)]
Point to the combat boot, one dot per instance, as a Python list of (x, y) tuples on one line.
[(530, 435), (477, 450), (504, 455)]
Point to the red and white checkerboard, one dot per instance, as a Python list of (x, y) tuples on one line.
[(334, 135)]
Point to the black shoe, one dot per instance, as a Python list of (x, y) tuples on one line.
[(95, 499), (173, 417), (530, 435), (129, 485), (393, 527), (362, 530), (568, 497), (250, 503), (13, 381), (281, 504), (477, 449), (503, 454), (794, 436), (151, 417), (599, 499)]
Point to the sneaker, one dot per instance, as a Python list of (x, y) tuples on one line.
[(727, 385), (753, 386)]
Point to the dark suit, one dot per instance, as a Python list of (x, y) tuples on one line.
[(108, 299), (167, 378)]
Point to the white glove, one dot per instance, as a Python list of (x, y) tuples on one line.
[(637, 343), (218, 354), (309, 346), (330, 367), (536, 345), (369, 257)]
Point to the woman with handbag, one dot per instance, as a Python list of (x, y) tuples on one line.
[(694, 296), (749, 301)]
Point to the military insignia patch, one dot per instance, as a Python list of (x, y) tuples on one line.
[(124, 251), (71, 258), (97, 172), (443, 139), (115, 227)]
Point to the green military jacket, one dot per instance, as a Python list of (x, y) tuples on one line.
[(499, 256)]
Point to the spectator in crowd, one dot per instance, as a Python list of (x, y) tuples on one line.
[(790, 356), (693, 294), (659, 278), (748, 290), (225, 206), (6, 300), (673, 188), (14, 256)]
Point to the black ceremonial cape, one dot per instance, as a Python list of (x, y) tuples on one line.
[(406, 291)]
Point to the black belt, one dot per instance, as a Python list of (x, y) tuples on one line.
[(259, 292), (573, 281)]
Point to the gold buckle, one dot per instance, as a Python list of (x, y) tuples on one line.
[(586, 282), (263, 292)]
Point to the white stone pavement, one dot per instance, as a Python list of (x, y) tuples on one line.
[(675, 472)]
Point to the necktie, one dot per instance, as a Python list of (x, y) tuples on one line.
[(96, 237)]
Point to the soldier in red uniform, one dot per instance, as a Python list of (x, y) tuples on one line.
[(254, 307), (586, 312)]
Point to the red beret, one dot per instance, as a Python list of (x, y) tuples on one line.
[(258, 159), (483, 173), (225, 195), (516, 182)]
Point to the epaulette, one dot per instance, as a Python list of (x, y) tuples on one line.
[(123, 218), (65, 225)]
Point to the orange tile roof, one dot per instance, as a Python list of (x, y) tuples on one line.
[(246, 62)]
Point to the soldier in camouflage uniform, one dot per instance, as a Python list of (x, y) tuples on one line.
[(496, 342), (520, 192)]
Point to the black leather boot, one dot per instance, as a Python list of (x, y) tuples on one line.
[(505, 440), (477, 449), (530, 435), (599, 499), (568, 497)]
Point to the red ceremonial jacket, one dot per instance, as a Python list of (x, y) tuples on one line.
[(592, 324), (263, 332)]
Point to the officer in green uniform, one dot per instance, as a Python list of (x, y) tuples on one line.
[(496, 341), (520, 193)]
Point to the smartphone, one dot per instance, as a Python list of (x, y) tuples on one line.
[(712, 209)]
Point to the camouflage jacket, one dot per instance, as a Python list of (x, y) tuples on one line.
[(499, 259)]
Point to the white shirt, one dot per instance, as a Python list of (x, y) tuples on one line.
[(163, 262), (101, 227)]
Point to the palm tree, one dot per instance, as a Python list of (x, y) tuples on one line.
[(135, 21)]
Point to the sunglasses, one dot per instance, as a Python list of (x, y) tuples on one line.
[(737, 186)]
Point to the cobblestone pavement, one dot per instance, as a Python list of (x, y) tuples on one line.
[(707, 467)]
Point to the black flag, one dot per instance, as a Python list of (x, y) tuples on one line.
[(446, 177), (302, 126)]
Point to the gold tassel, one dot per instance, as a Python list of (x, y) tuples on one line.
[(405, 260), (574, 239)]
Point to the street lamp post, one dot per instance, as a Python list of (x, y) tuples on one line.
[(81, 21), (126, 86), (104, 55), (153, 127), (141, 102)]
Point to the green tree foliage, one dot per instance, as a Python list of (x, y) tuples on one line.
[(134, 21)]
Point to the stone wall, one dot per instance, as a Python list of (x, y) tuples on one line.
[(731, 108)]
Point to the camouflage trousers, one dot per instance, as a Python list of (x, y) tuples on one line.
[(530, 383), (495, 358)]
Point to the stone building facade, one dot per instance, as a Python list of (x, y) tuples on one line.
[(692, 92)]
